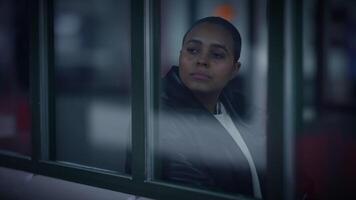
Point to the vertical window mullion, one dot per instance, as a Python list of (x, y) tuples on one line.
[(293, 91), (51, 79), (45, 102), (138, 122), (275, 100), (34, 79), (298, 76), (153, 71), (156, 42)]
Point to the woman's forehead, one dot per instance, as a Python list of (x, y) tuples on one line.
[(209, 33)]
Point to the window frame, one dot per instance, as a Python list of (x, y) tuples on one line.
[(145, 35)]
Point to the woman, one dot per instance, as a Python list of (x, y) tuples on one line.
[(203, 138)]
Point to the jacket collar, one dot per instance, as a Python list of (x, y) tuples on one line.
[(176, 93)]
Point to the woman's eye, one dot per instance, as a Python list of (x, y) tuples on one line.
[(192, 50), (218, 55)]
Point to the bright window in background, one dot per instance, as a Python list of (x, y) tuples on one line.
[(15, 115), (92, 82)]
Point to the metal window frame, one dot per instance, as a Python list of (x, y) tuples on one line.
[(42, 103), (285, 92)]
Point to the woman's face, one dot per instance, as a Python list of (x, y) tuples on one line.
[(206, 61)]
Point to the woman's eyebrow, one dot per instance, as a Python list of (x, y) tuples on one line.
[(220, 46), (213, 45), (194, 41)]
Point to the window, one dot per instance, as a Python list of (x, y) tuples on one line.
[(15, 110), (193, 138), (95, 71), (92, 83)]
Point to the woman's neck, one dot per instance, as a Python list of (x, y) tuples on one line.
[(208, 100)]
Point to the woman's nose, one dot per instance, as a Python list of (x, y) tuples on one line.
[(202, 60)]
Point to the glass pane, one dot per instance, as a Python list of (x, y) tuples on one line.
[(211, 126), (92, 80), (326, 147), (15, 116)]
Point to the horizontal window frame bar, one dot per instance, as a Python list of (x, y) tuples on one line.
[(115, 182), (16, 162)]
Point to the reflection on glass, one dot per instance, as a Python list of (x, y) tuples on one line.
[(326, 145), (210, 133), (15, 121), (92, 68)]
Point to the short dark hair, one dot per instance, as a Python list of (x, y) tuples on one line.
[(236, 37)]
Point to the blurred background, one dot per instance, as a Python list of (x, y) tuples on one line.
[(92, 67), (92, 82), (15, 116), (326, 146)]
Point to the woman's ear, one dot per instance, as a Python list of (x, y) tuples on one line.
[(237, 66)]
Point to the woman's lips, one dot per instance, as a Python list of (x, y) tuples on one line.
[(200, 76)]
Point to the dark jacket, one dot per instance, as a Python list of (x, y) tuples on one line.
[(194, 149)]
